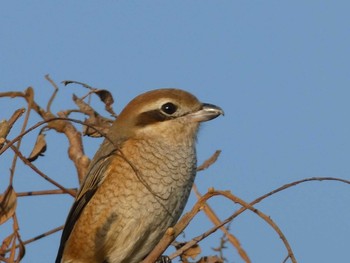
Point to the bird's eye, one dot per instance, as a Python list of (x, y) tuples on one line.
[(169, 108)]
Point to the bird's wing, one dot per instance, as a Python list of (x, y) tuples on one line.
[(93, 179)]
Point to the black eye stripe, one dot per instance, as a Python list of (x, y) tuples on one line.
[(169, 108), (163, 114), (152, 116)]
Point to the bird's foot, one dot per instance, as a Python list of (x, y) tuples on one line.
[(163, 259)]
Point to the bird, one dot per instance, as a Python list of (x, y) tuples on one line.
[(139, 180)]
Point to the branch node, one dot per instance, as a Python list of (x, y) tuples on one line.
[(211, 190), (170, 231)]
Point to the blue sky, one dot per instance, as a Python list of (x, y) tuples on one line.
[(279, 69)]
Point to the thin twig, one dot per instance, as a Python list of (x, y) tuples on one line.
[(30, 94), (28, 241), (242, 209), (75, 150), (46, 192), (47, 77), (34, 168), (236, 199), (52, 231), (172, 233), (216, 221)]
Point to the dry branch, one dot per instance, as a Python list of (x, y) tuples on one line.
[(75, 151), (184, 221), (35, 169), (46, 192), (217, 222), (99, 125)]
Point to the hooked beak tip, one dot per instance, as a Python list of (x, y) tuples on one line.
[(206, 113)]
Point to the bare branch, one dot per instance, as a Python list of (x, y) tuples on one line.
[(241, 210), (75, 151), (34, 168), (216, 221), (28, 241), (172, 233), (30, 96), (47, 77), (105, 96), (245, 205), (46, 192)]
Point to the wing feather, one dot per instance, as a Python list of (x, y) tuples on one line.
[(93, 179)]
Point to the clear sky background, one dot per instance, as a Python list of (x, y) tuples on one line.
[(279, 69)]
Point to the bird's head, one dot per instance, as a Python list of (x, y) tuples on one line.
[(170, 114)]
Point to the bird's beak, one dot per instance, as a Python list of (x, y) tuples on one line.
[(205, 113)]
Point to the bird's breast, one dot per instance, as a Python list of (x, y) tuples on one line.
[(147, 189), (154, 175)]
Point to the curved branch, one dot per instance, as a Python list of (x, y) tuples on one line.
[(185, 220), (242, 209)]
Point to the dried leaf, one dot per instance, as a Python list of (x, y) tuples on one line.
[(12, 251), (4, 128), (8, 203), (104, 95), (83, 106), (192, 252), (39, 148), (107, 98), (21, 250), (98, 122), (66, 82), (212, 159), (16, 115), (6, 243)]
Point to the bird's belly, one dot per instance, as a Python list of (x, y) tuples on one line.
[(131, 239)]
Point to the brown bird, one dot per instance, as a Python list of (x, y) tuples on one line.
[(139, 180)]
